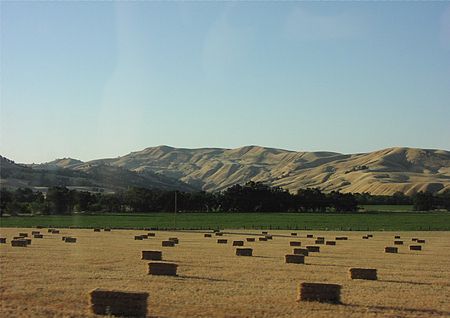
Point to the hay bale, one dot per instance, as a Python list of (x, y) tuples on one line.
[(222, 241), (38, 236), (107, 229), (414, 239), (152, 255), (97, 230), (2, 240), (35, 232), (309, 235), (219, 234), (397, 236), (398, 242), (174, 239), (70, 240), (390, 249), (19, 243), (168, 243), (269, 237), (330, 242), (144, 236), (18, 238), (238, 243), (421, 241), (118, 303), (244, 251), (295, 243), (138, 238), (415, 247), (319, 242), (151, 234), (341, 238), (264, 232), (313, 249), (55, 231), (293, 234), (263, 239), (363, 273), (23, 234), (328, 293), (250, 239), (50, 230), (369, 235), (320, 238), (301, 251), (207, 235), (365, 237), (295, 258), (159, 268)]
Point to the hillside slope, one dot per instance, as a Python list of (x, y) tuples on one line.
[(381, 172)]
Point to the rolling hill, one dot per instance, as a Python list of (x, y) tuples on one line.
[(386, 171)]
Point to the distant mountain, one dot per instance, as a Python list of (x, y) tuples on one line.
[(75, 173), (386, 171)]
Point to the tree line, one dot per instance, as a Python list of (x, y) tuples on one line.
[(250, 197)]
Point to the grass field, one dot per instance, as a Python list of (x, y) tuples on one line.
[(406, 221), (387, 208), (51, 278)]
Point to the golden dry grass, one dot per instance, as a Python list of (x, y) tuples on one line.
[(51, 278)]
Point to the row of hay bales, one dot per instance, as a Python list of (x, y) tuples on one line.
[(397, 242), (23, 239)]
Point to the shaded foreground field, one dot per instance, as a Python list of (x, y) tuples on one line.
[(406, 221), (51, 278)]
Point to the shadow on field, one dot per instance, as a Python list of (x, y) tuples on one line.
[(403, 282), (410, 310), (202, 278), (331, 265), (259, 256)]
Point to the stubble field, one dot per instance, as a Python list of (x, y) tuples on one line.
[(51, 278)]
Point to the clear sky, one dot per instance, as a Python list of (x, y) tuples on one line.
[(100, 79)]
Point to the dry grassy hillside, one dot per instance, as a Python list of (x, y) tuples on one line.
[(381, 172)]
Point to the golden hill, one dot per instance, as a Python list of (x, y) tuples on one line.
[(386, 171)]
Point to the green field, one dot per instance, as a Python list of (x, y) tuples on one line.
[(387, 208), (389, 221)]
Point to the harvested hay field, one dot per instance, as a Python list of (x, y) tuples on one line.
[(52, 279)]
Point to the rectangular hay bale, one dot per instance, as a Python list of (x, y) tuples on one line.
[(301, 251), (118, 303), (295, 243), (244, 251), (222, 241), (160, 268), (250, 239), (152, 255), (19, 243), (363, 273), (314, 249), (238, 243), (390, 249), (398, 242), (330, 242), (294, 258), (328, 293), (415, 247), (168, 243)]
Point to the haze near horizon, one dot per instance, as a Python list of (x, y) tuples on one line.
[(92, 80)]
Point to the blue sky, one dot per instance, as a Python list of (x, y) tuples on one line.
[(100, 79)]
